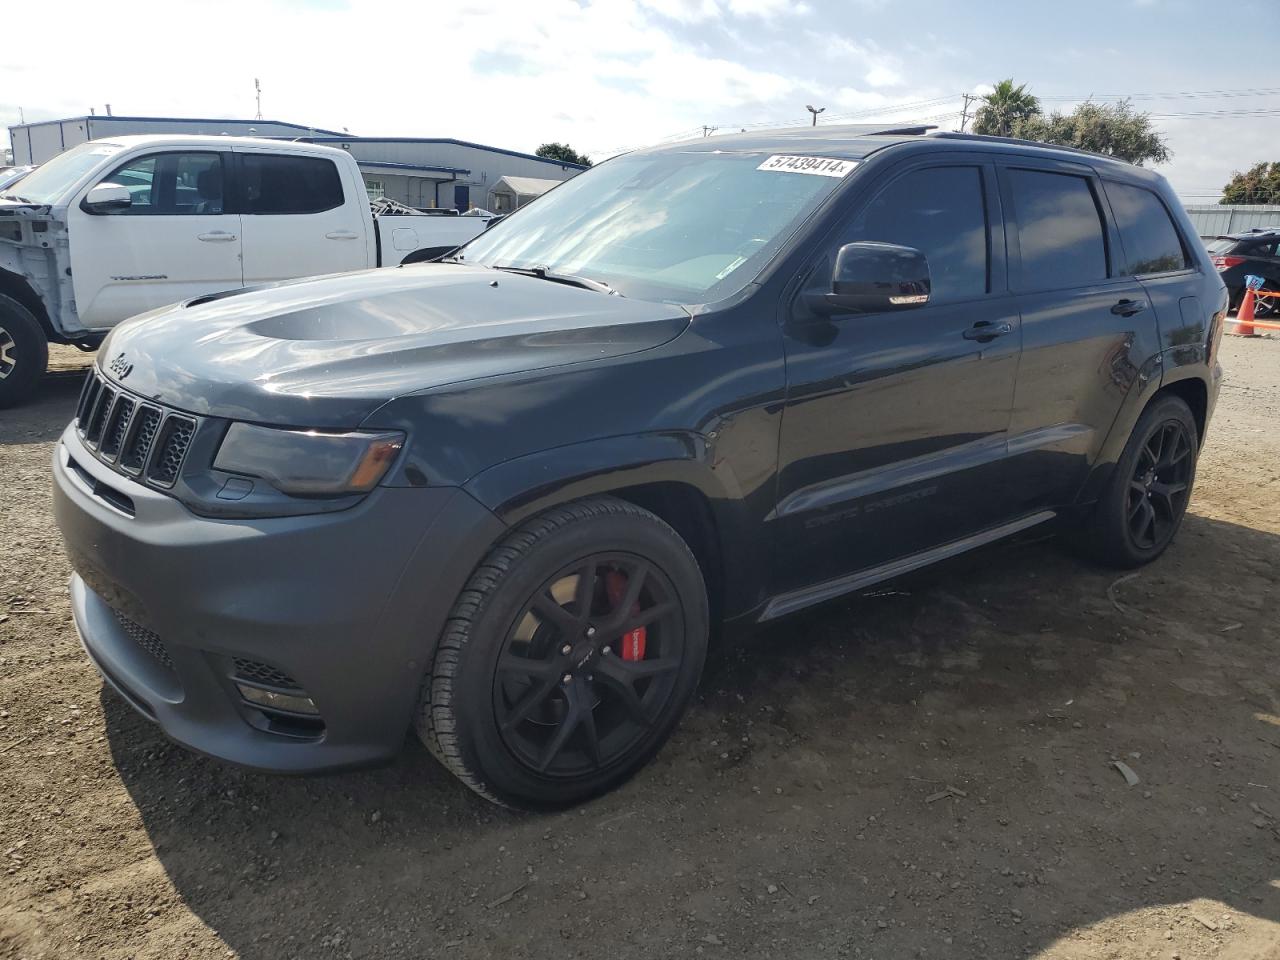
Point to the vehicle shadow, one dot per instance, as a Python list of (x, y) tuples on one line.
[(926, 770)]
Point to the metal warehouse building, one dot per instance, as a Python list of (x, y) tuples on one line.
[(418, 171)]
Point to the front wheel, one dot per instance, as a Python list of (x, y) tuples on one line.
[(24, 352), (568, 658), (1144, 503)]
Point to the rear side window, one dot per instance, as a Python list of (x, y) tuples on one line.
[(278, 184), (1151, 243), (1059, 230), (941, 211)]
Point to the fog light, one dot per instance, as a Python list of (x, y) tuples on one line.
[(289, 702)]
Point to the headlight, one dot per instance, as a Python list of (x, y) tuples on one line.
[(309, 462)]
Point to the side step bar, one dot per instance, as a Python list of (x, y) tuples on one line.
[(786, 603)]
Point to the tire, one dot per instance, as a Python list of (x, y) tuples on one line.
[(1117, 534), (510, 682), (24, 352)]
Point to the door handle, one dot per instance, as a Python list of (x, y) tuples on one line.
[(342, 235), (1127, 308), (986, 330), (216, 236)]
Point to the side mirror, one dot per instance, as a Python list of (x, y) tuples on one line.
[(874, 277), (106, 198)]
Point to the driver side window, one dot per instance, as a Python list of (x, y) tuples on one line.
[(940, 211), (171, 184)]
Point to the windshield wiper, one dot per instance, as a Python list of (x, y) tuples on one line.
[(542, 273), (14, 196)]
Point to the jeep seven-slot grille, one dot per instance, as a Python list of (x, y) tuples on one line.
[(135, 437)]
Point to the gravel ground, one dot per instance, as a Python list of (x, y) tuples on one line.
[(923, 771)]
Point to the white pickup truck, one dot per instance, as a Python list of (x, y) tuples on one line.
[(114, 228)]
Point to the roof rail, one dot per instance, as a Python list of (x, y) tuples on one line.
[(1021, 142)]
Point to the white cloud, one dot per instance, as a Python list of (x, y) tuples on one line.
[(883, 76), (601, 74)]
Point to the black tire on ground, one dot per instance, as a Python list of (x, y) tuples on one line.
[(24, 352), (609, 712), (1139, 513)]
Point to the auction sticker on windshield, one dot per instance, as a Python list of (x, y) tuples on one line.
[(820, 166)]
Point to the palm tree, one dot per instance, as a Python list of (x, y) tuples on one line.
[(1004, 108)]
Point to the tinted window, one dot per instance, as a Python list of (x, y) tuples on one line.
[(1151, 243), (941, 212), (1059, 230), (275, 184), (171, 184)]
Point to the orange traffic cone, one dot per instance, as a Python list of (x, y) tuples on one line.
[(1244, 316)]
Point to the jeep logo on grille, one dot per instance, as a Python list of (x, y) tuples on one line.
[(120, 366)]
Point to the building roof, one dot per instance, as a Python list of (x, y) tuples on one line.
[(526, 186), (109, 118), (409, 169), (454, 142)]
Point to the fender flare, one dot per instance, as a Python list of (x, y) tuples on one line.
[(517, 489)]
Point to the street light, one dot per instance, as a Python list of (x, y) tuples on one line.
[(815, 111)]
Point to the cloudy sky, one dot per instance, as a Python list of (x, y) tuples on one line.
[(608, 75)]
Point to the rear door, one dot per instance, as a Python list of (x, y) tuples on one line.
[(176, 240), (1155, 253), (300, 219), (1087, 327)]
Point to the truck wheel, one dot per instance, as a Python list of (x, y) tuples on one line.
[(24, 352), (568, 658), (1146, 499)]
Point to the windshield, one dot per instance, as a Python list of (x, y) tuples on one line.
[(682, 227), (47, 184)]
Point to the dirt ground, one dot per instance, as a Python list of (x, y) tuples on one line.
[(923, 771)]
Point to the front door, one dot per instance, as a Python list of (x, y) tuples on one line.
[(298, 221), (894, 432), (173, 242)]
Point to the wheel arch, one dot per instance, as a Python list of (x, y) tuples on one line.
[(16, 287), (1193, 391), (665, 474)]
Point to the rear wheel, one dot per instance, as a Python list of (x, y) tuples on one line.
[(1144, 503), (568, 658), (24, 352)]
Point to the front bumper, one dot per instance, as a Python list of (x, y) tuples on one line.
[(349, 605)]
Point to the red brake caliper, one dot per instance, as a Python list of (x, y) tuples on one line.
[(615, 584)]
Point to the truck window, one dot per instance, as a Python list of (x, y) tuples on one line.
[(276, 184), (171, 184), (1151, 243), (941, 211), (1059, 230)]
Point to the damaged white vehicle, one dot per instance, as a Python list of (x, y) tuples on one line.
[(114, 228)]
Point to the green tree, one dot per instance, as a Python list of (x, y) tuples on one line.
[(1003, 108), (563, 152), (1259, 184), (1115, 130)]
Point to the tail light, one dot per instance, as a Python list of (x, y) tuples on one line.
[(1226, 263)]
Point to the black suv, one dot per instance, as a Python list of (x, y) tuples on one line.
[(1238, 255), (508, 498)]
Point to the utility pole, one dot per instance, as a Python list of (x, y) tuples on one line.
[(964, 114), (258, 94), (708, 131), (815, 111)]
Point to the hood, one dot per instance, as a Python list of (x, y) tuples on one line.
[(327, 352)]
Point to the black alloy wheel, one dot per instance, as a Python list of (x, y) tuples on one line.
[(1142, 507), (588, 666), (1160, 485), (569, 656)]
